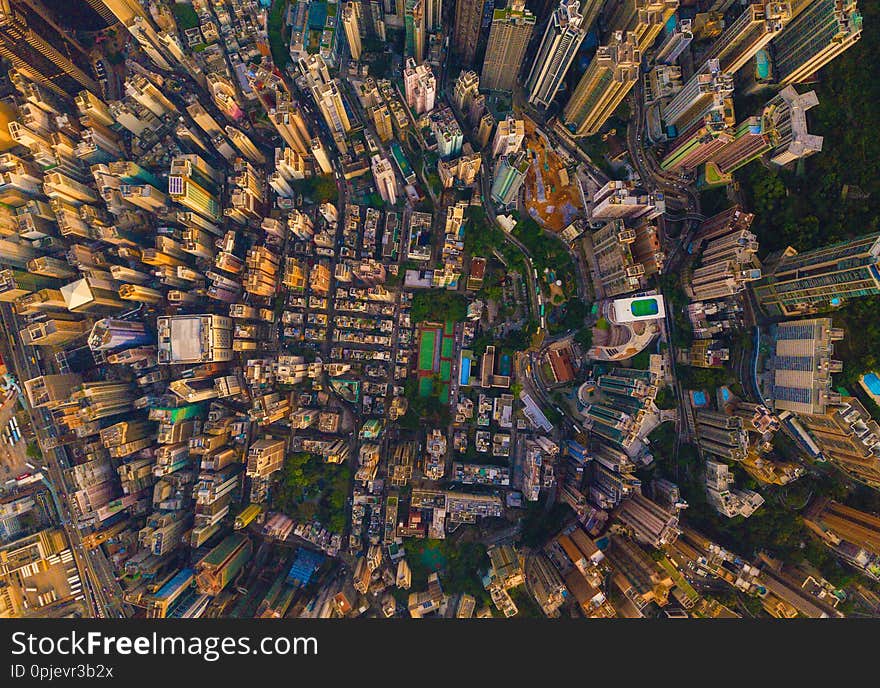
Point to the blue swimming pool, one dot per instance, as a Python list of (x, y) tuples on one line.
[(872, 382), (700, 398), (465, 371), (725, 393)]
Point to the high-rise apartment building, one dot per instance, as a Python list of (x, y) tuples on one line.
[(675, 43), (414, 26), (509, 177), (383, 123), (802, 365), (644, 18), (48, 391), (509, 136), (351, 22), (611, 74), (758, 24), (847, 436), (192, 184), (420, 86), (803, 283), (386, 180), (701, 93), (466, 30), (562, 38), (328, 97), (617, 199), (821, 31), (36, 45), (112, 333), (467, 87), (852, 534), (265, 457), (508, 39)]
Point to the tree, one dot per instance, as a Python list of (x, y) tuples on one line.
[(438, 305)]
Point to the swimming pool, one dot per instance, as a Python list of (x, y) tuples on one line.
[(725, 393), (643, 307), (700, 399), (872, 382)]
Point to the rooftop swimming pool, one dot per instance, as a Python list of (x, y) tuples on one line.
[(643, 307)]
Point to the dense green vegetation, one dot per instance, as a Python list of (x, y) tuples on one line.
[(539, 522), (423, 411), (311, 489), (458, 564), (482, 236), (676, 303), (318, 189), (547, 252), (703, 378), (185, 15), (573, 313), (277, 34), (838, 195), (665, 398), (438, 305)]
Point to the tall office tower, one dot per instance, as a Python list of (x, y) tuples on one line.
[(645, 18), (386, 181), (319, 152), (204, 119), (803, 283), (509, 177), (508, 136), (433, 15), (847, 436), (147, 94), (852, 534), (222, 564), (53, 331), (414, 26), (696, 145), (466, 31), (265, 456), (97, 291), (328, 98), (46, 266), (821, 31), (611, 74), (38, 47), (802, 365), (111, 333), (675, 42), (191, 182), (484, 130), (467, 87), (382, 120), (508, 39), (758, 24), (89, 104), (699, 95), (16, 283), (194, 338), (288, 120), (420, 86), (563, 36), (49, 391), (351, 21), (245, 145)]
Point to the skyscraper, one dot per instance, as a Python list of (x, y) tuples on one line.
[(328, 97), (386, 181), (466, 31), (38, 47), (613, 71), (433, 15), (414, 26), (420, 86), (509, 177), (508, 40), (820, 32), (758, 24), (675, 42), (351, 21), (802, 283), (563, 36), (698, 96), (645, 18)]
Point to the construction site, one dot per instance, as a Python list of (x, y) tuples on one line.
[(551, 197)]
